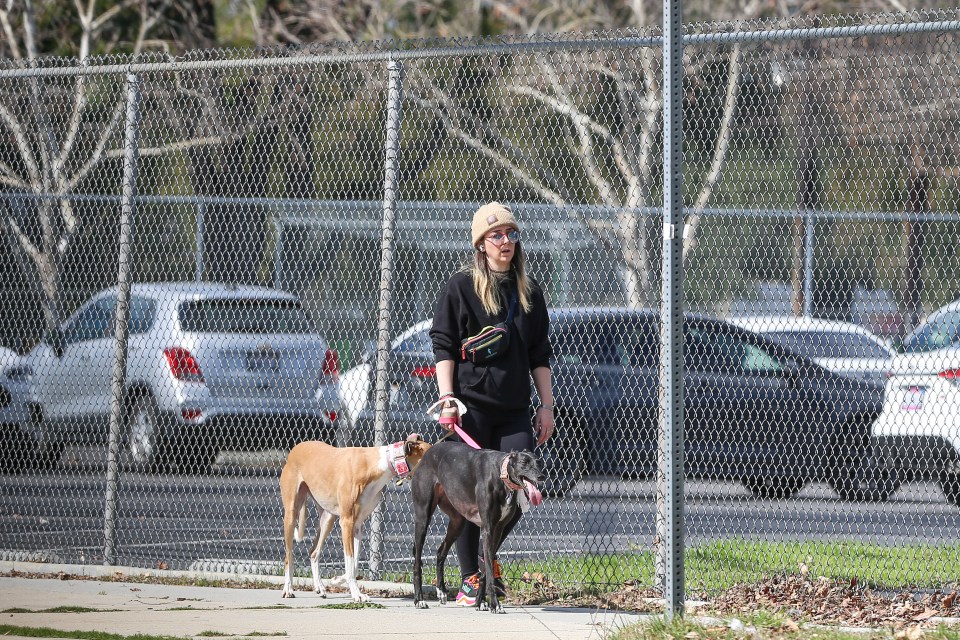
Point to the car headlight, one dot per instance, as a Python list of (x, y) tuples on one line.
[(19, 373)]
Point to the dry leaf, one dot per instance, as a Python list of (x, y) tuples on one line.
[(927, 613), (915, 633), (804, 569), (949, 600)]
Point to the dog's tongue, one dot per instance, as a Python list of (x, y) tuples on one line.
[(532, 492)]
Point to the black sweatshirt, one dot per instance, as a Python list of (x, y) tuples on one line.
[(503, 384)]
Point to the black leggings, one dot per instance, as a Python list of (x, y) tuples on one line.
[(491, 431)]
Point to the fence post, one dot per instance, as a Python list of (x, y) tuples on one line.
[(394, 99), (670, 477), (122, 316)]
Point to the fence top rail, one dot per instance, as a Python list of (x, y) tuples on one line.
[(306, 210), (486, 48)]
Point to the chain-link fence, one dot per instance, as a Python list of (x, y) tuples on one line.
[(296, 213)]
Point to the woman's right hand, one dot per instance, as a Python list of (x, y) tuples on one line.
[(449, 410)]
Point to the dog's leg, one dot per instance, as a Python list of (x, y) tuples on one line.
[(454, 529), (327, 520), (348, 529), (288, 528), (491, 542), (294, 496), (344, 579), (423, 508)]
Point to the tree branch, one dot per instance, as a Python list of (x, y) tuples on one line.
[(719, 153)]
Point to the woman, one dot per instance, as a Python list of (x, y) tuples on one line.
[(496, 394)]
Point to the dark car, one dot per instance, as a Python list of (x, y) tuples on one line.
[(754, 412)]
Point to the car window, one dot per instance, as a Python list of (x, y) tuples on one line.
[(92, 323), (419, 342), (637, 343), (142, 313), (714, 349), (244, 315), (829, 344), (586, 341), (939, 332)]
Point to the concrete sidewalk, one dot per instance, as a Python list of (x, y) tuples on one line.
[(130, 607)]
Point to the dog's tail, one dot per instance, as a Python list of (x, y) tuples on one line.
[(301, 522)]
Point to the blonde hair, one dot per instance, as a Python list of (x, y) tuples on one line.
[(486, 284)]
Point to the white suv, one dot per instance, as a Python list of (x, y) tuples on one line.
[(209, 367), (920, 421)]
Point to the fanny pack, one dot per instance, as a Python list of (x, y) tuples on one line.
[(491, 342)]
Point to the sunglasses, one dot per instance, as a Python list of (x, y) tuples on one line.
[(499, 238)]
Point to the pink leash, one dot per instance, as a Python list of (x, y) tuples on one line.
[(452, 420), (459, 431)]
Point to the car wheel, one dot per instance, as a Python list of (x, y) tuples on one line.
[(142, 449), (950, 483), (47, 451), (773, 487), (864, 474), (563, 460)]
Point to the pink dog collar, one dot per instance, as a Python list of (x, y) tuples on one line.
[(399, 460), (513, 486)]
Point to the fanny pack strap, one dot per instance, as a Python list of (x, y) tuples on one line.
[(513, 306)]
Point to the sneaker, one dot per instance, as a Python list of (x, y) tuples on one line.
[(469, 591)]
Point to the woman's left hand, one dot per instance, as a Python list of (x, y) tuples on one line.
[(543, 427)]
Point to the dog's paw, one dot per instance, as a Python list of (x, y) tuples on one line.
[(497, 608), (361, 597), (441, 597), (482, 606), (287, 594), (421, 604)]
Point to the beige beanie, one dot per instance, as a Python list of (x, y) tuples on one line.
[(490, 216)]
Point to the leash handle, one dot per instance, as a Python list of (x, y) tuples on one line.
[(434, 412)]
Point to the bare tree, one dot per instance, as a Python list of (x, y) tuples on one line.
[(606, 108), (50, 150)]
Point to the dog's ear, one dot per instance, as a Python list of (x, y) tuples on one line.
[(414, 437), (410, 446)]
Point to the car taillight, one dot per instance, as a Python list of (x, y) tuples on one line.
[(183, 366), (953, 375), (331, 364), (424, 372)]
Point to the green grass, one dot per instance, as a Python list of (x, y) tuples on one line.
[(351, 605), (70, 609), (717, 566), (47, 632)]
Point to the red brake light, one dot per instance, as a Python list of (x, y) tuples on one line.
[(331, 364), (950, 374), (183, 366), (424, 372)]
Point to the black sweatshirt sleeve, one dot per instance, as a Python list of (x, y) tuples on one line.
[(445, 332), (539, 349)]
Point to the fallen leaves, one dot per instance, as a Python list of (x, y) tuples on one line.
[(825, 601)]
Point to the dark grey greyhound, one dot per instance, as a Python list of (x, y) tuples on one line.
[(480, 485)]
